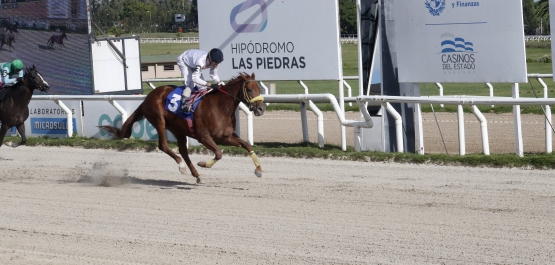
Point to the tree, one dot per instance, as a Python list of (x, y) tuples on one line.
[(542, 10), (531, 21), (347, 16)]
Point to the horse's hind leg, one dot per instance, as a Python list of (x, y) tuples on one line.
[(234, 140), (163, 144), (182, 144)]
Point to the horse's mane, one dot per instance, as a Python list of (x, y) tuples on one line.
[(240, 78)]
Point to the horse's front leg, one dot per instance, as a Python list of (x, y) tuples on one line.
[(21, 130), (3, 130), (234, 140), (212, 146)]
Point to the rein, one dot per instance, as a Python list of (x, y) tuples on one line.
[(246, 95)]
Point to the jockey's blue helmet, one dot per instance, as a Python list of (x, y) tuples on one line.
[(216, 55)]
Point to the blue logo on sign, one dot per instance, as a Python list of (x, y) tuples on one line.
[(457, 54), (51, 125), (435, 6), (450, 43)]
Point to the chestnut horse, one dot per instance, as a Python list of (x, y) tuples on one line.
[(213, 121)]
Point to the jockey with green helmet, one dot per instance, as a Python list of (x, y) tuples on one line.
[(9, 69), (191, 63)]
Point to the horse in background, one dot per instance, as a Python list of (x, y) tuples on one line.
[(213, 120), (12, 27), (7, 39), (57, 39), (14, 103)]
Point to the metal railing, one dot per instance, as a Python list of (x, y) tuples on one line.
[(345, 39), (351, 39)]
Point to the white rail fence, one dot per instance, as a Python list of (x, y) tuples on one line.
[(307, 99), (345, 38)]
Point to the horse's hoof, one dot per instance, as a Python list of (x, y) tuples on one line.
[(200, 181), (183, 168), (258, 173), (201, 164)]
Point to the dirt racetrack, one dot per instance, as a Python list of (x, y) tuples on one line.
[(78, 206)]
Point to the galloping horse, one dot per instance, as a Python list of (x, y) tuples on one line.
[(7, 39), (57, 39), (14, 102), (213, 121), (12, 27)]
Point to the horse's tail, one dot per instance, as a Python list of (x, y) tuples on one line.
[(127, 128)]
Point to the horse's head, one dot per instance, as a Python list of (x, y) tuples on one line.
[(250, 94), (33, 79)]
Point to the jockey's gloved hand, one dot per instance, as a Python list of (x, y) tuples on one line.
[(19, 79), (214, 86)]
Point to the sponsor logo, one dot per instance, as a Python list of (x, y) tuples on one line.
[(258, 14), (464, 4), (435, 7), (457, 54), (51, 125), (141, 129)]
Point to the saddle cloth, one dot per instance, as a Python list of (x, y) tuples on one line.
[(173, 104)]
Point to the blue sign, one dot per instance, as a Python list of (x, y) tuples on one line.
[(51, 125)]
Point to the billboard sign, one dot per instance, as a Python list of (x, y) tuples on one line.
[(53, 36), (460, 41), (276, 40)]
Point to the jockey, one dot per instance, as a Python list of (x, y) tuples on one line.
[(57, 35), (9, 69), (191, 63)]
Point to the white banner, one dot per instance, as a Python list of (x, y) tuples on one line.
[(276, 40), (460, 41), (46, 118), (99, 113)]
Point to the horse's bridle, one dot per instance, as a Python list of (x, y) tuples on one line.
[(249, 100), (34, 82)]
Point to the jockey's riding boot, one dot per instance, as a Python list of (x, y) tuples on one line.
[(184, 98), (184, 106)]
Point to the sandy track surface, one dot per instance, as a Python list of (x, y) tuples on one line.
[(77, 206)]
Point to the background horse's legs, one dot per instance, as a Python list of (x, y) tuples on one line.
[(182, 144), (3, 130), (21, 130), (234, 140)]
